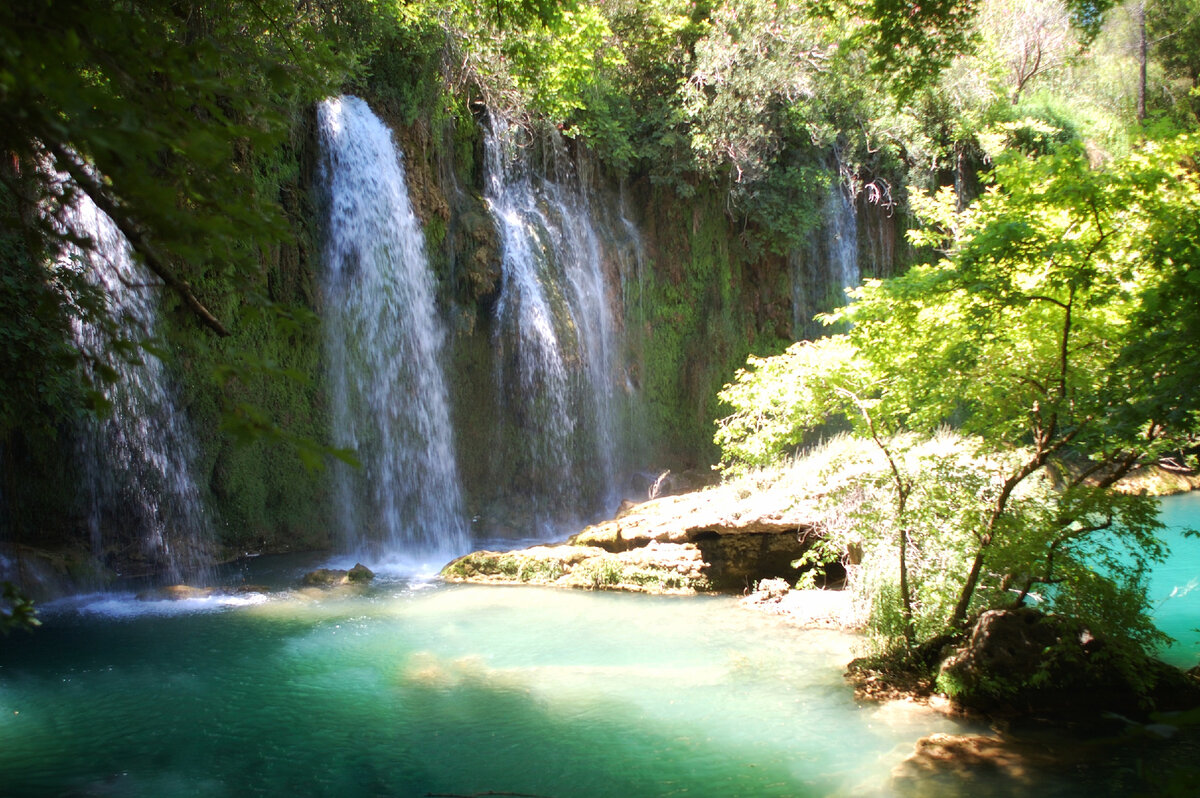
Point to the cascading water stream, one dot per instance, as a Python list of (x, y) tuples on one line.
[(531, 320), (828, 266), (384, 345), (842, 235), (138, 461), (555, 335), (581, 252)]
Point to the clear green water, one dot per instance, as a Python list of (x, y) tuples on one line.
[(462, 690), (1175, 585), (413, 689)]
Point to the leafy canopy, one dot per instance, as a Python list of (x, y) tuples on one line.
[(1038, 337)]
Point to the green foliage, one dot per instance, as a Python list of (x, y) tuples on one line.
[(777, 400), (600, 572), (1088, 16), (183, 122), (37, 364), (16, 610), (1173, 27), (161, 113), (556, 67), (1033, 337), (911, 43), (404, 70)]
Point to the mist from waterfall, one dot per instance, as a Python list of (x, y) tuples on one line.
[(137, 459), (385, 350), (556, 333)]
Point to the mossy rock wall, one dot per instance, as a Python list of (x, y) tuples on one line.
[(262, 495), (707, 302), (705, 296)]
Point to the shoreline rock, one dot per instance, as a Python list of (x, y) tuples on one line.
[(667, 568), (808, 609), (717, 539)]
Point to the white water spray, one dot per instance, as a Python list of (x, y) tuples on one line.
[(384, 344), (138, 461), (556, 333)]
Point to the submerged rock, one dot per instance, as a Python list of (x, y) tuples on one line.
[(980, 765), (360, 573)]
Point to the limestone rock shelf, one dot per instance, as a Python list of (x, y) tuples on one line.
[(714, 539)]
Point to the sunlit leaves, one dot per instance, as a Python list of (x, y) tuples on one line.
[(911, 42), (777, 400), (1059, 331)]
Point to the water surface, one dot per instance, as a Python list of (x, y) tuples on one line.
[(414, 688), (1175, 584), (410, 690)]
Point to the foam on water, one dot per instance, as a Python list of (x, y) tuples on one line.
[(118, 606)]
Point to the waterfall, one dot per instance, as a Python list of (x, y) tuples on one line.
[(556, 333), (137, 462), (827, 266), (384, 345)]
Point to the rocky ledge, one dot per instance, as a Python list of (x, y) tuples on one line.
[(721, 538)]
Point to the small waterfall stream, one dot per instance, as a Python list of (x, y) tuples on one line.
[(384, 346), (827, 266), (556, 336), (138, 461)]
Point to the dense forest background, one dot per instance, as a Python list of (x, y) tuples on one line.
[(721, 129)]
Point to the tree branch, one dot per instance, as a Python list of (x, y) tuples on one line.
[(140, 243)]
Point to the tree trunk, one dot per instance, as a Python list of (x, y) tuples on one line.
[(968, 591), (910, 630), (1143, 52)]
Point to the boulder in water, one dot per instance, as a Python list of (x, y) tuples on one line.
[(176, 593), (1019, 661), (336, 577), (360, 573)]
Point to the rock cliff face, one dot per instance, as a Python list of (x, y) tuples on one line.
[(687, 298)]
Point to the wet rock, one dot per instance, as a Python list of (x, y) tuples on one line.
[(694, 516), (770, 590), (655, 568), (823, 609), (737, 561), (724, 538), (336, 577), (1022, 661), (360, 573), (176, 593)]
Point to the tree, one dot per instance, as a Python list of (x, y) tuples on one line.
[(1033, 338), (1033, 306), (1033, 37), (1172, 29)]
